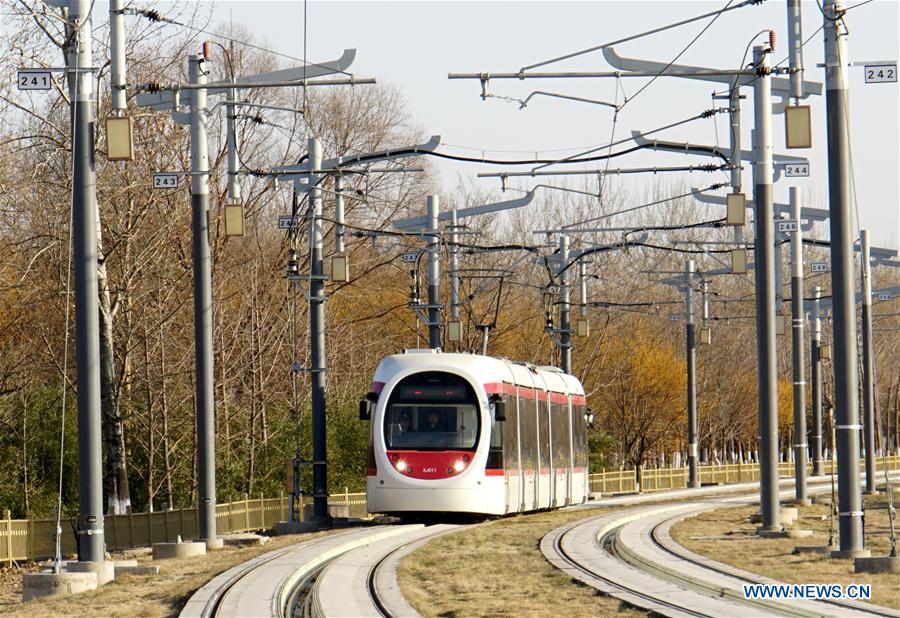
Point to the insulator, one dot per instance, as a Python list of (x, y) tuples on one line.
[(293, 268), (206, 50), (771, 40)]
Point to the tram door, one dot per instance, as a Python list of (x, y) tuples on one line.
[(520, 464), (570, 468), (552, 450)]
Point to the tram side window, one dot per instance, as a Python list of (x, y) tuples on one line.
[(511, 432), (529, 434), (495, 454), (543, 417), (560, 434), (580, 431)]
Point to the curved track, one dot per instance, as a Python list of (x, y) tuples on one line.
[(275, 583), (363, 582), (631, 556), (628, 554)]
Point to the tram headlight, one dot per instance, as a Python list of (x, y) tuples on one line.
[(401, 466), (459, 466)]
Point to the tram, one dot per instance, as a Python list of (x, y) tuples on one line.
[(464, 433)]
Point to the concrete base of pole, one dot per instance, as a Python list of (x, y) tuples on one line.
[(877, 564), (695, 485), (788, 516), (244, 540), (844, 554), (106, 570), (874, 492), (165, 551), (814, 549), (798, 533), (214, 544), (771, 532), (40, 585), (595, 495), (295, 527)]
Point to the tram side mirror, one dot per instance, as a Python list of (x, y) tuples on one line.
[(499, 408), (365, 406)]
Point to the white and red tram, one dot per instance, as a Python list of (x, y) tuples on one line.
[(473, 434)]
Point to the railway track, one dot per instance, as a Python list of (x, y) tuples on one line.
[(631, 556), (276, 583), (659, 535), (363, 582), (350, 573)]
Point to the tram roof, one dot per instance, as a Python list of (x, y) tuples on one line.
[(485, 369)]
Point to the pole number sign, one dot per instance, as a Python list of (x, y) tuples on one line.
[(819, 267), (409, 257), (674, 317), (796, 170), (33, 80), (787, 226), (165, 181), (287, 222), (885, 296), (880, 73)]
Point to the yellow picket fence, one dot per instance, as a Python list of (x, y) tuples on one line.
[(654, 479), (33, 539)]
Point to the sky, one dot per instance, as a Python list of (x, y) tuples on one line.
[(414, 44)]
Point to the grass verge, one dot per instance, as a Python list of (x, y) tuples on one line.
[(497, 569), (727, 536), (151, 596)]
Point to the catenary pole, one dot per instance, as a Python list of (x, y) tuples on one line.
[(582, 290), (846, 380), (317, 336), (91, 544), (454, 267), (690, 351), (117, 79), (765, 294), (203, 329), (868, 361), (233, 191), (565, 310), (815, 352), (339, 214), (795, 48), (798, 340), (734, 118), (434, 280)]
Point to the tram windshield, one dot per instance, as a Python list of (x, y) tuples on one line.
[(432, 411)]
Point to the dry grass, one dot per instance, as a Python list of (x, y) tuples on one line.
[(497, 569), (161, 595), (727, 536)]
